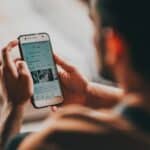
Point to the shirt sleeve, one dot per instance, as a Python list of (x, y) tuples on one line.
[(14, 142)]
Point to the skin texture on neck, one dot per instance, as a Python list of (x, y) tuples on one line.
[(137, 94), (136, 89)]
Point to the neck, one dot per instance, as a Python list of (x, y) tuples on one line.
[(138, 99), (136, 91)]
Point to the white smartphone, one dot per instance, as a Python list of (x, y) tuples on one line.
[(36, 50)]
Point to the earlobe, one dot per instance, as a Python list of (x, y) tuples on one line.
[(114, 45)]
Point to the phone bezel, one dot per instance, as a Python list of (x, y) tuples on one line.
[(53, 102)]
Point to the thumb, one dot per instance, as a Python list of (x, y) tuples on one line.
[(25, 75), (63, 64), (63, 76), (23, 69)]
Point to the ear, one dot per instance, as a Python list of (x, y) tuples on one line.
[(115, 47)]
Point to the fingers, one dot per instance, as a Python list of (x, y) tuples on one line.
[(23, 69), (54, 108), (8, 63), (25, 76), (66, 66), (17, 59), (0, 62), (63, 75)]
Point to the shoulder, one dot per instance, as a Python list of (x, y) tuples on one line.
[(15, 141)]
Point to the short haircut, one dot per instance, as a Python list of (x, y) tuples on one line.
[(130, 18)]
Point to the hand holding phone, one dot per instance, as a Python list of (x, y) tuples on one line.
[(16, 82), (36, 50)]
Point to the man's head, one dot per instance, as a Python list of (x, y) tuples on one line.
[(124, 28)]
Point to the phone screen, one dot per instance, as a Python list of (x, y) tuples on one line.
[(39, 58)]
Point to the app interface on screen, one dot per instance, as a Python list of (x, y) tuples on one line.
[(43, 70)]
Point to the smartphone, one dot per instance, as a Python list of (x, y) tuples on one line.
[(36, 50)]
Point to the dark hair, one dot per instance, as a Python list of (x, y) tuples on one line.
[(130, 18)]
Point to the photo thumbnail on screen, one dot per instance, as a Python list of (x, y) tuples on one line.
[(41, 76)]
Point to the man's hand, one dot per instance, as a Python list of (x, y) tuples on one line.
[(74, 85), (77, 90), (17, 88), (15, 78)]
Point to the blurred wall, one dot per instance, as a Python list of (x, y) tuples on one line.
[(65, 20)]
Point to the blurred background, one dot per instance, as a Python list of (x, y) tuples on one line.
[(70, 29)]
